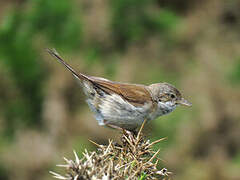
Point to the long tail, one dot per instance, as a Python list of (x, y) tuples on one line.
[(55, 54)]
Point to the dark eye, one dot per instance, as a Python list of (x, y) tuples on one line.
[(172, 96)]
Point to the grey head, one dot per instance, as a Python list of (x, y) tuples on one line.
[(166, 94)]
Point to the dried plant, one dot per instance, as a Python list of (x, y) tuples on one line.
[(133, 159)]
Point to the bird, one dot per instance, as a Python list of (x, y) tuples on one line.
[(124, 105)]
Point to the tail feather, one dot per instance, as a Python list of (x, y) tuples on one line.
[(55, 54)]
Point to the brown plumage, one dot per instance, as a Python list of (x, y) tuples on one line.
[(134, 93), (125, 105)]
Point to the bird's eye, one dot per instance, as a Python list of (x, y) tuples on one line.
[(172, 96)]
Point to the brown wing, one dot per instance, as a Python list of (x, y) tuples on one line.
[(135, 94)]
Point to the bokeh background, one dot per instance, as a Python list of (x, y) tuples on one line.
[(192, 44)]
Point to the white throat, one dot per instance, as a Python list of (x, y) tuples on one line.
[(166, 107), (163, 109)]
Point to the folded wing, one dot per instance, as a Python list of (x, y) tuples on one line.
[(133, 93)]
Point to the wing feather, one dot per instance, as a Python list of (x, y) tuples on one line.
[(133, 93)]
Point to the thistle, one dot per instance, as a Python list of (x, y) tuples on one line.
[(132, 159)]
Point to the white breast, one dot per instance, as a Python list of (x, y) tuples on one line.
[(113, 109), (162, 109)]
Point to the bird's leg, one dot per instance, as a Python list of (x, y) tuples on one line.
[(130, 134), (112, 126), (125, 131), (133, 132)]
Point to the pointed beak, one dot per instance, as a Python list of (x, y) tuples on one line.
[(184, 102)]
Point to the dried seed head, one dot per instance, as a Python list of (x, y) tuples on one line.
[(134, 158)]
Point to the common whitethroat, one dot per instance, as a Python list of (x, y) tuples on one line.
[(123, 105)]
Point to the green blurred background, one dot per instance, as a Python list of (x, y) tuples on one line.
[(192, 44)]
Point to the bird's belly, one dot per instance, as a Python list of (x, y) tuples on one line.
[(114, 110), (129, 123)]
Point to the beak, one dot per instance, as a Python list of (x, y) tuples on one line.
[(184, 102)]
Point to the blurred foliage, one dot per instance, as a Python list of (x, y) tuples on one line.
[(23, 63), (3, 173), (168, 128), (133, 20), (56, 20), (235, 73), (130, 45), (236, 160), (78, 145), (18, 34)]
